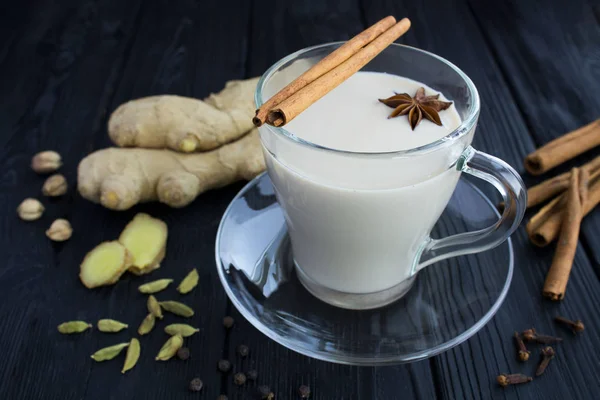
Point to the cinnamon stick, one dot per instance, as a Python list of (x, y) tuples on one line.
[(331, 61), (549, 188), (299, 101), (564, 148), (544, 227), (562, 263)]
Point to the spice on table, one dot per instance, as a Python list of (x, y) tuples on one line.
[(183, 353), (554, 186), (228, 322), (154, 307), (189, 282), (243, 350), (108, 353), (170, 348), (523, 352), (563, 148), (196, 385), (132, 356), (512, 379), (30, 209), (252, 374), (560, 270), (147, 324), (110, 325), (304, 392), (181, 329), (265, 392), (532, 336), (55, 185), (239, 378), (224, 365), (545, 226), (46, 161), (177, 308), (60, 230), (547, 355), (70, 327), (154, 286), (576, 326)]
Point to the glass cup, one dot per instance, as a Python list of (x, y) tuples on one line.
[(359, 243)]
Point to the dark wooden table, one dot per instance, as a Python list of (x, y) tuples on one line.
[(66, 65)]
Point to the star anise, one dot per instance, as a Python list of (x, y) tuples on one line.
[(417, 107)]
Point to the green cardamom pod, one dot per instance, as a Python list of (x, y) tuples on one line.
[(108, 353), (154, 307), (73, 327), (181, 329), (133, 354), (155, 286), (147, 324), (189, 282), (177, 308), (110, 325), (170, 348)]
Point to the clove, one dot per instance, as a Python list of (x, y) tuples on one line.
[(576, 326), (512, 379), (523, 352), (532, 336), (547, 355)]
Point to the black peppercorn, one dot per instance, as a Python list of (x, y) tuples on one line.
[(304, 392), (228, 322), (196, 385), (239, 379), (252, 374), (243, 350), (183, 353), (224, 365)]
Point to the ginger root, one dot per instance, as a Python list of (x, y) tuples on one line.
[(120, 178), (146, 240), (104, 265), (185, 124)]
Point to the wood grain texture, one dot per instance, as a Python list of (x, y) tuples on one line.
[(110, 52), (68, 64), (51, 72), (469, 371), (551, 74)]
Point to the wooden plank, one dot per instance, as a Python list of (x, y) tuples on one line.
[(58, 70), (191, 49), (551, 73), (278, 30), (469, 370)]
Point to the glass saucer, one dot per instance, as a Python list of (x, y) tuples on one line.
[(449, 302)]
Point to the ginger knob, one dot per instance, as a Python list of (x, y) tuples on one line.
[(55, 185), (60, 230), (46, 162), (30, 209)]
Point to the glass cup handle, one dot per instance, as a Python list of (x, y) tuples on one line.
[(510, 185)]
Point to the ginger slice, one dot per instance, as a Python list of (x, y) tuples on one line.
[(139, 272), (104, 265), (146, 239)]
